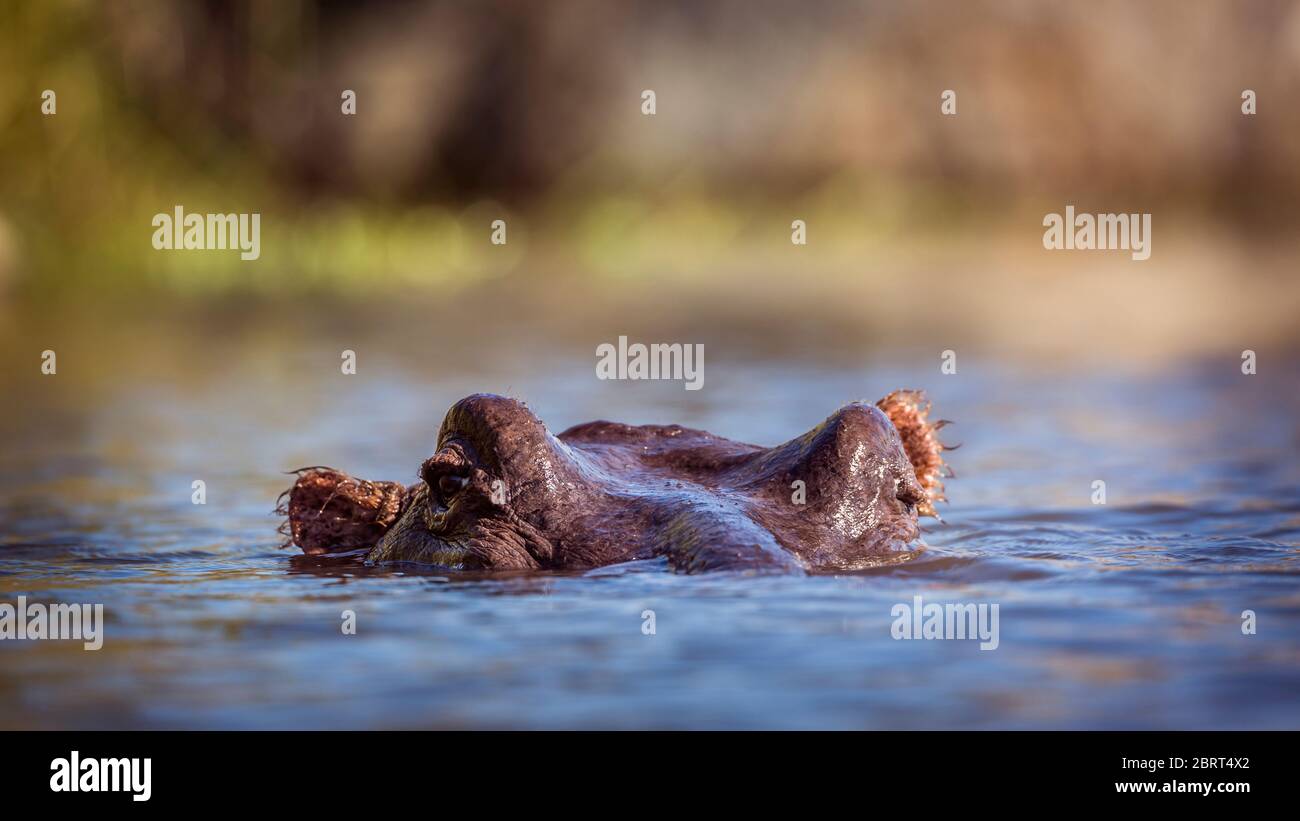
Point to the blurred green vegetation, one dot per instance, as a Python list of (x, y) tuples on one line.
[(530, 112)]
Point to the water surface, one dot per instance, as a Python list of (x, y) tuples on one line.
[(1123, 615)]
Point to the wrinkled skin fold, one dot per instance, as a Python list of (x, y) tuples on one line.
[(501, 492)]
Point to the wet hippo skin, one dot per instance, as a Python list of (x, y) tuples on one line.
[(503, 492)]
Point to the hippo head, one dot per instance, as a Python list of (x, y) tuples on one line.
[(502, 492)]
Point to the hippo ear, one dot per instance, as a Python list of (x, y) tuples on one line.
[(328, 511), (909, 411)]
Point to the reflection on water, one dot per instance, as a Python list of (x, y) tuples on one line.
[(1123, 615)]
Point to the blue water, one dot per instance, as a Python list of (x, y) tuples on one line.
[(1122, 615)]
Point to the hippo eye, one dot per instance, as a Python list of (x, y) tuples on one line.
[(449, 485), (910, 493)]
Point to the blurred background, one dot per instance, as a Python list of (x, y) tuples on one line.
[(924, 235), (923, 229)]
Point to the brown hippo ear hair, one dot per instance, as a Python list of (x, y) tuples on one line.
[(328, 511), (909, 410)]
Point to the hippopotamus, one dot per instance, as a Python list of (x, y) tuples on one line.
[(501, 492)]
